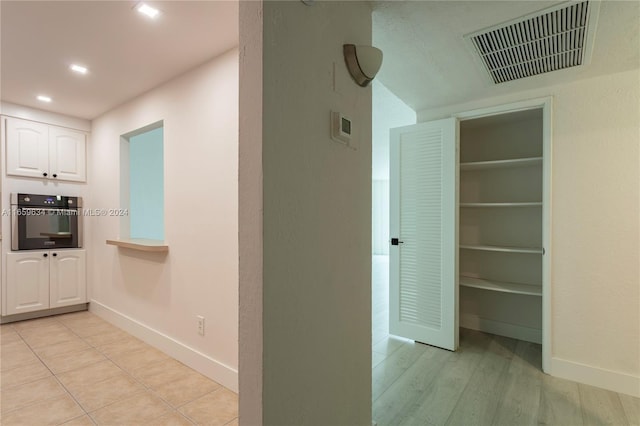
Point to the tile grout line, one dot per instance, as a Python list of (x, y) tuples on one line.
[(53, 375), (87, 413), (144, 386), (129, 374)]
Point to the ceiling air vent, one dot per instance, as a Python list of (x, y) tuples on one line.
[(548, 40)]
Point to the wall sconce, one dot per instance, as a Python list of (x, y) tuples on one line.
[(363, 62)]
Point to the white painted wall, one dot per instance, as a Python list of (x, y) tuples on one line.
[(158, 297), (316, 285), (595, 226), (388, 112), (27, 113)]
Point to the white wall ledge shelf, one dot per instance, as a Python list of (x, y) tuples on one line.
[(140, 244), (504, 287), (527, 204), (526, 250), (501, 164)]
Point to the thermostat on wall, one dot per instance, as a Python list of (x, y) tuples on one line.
[(340, 128)]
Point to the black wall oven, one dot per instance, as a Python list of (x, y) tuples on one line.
[(45, 222)]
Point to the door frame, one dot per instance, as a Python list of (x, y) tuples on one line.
[(545, 104)]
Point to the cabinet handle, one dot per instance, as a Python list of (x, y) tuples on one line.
[(45, 255), (55, 254), (55, 175), (45, 174)]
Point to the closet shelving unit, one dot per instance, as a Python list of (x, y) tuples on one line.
[(500, 229)]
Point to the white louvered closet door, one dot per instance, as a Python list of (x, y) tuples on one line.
[(423, 265)]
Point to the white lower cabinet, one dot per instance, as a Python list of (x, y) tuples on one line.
[(45, 279), (27, 282)]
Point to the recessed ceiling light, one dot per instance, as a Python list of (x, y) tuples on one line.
[(145, 9), (79, 69), (43, 98)]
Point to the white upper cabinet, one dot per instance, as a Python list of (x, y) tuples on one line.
[(27, 147), (67, 158), (44, 151)]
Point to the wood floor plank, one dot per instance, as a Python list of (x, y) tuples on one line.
[(440, 396), (631, 408), (490, 380), (390, 344), (393, 405), (527, 358), (601, 407), (559, 402), (479, 402), (389, 370), (376, 358), (521, 400)]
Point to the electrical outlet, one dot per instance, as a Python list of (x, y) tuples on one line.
[(200, 325)]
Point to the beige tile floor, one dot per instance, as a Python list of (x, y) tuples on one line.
[(77, 369)]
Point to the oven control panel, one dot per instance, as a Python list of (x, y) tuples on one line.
[(35, 200)]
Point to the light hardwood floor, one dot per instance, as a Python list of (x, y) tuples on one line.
[(490, 380)]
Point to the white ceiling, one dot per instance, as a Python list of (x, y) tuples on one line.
[(428, 64), (426, 61), (127, 53)]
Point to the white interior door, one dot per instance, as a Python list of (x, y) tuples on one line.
[(423, 299)]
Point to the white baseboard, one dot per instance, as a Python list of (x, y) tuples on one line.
[(594, 376), (202, 363), (514, 331)]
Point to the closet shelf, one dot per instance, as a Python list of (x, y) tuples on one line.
[(504, 287), (529, 250), (528, 204), (501, 164)]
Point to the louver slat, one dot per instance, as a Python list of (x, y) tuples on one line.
[(420, 217), (537, 45)]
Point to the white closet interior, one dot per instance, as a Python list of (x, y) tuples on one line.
[(501, 224)]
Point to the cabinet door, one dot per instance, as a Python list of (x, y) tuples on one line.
[(68, 280), (67, 154), (27, 148), (423, 270), (27, 282)]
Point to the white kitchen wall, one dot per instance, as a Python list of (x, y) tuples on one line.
[(595, 212), (157, 297), (316, 285), (388, 112)]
